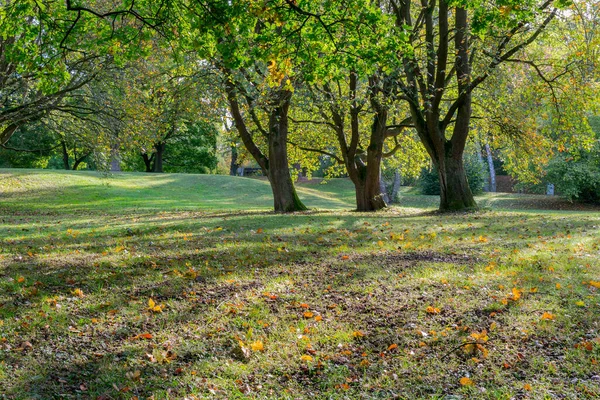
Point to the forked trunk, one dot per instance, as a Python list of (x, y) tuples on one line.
[(455, 193)]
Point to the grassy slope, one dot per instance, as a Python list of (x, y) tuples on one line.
[(81, 255)]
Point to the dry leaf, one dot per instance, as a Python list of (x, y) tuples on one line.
[(257, 346), (464, 381)]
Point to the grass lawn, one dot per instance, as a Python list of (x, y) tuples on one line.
[(186, 286)]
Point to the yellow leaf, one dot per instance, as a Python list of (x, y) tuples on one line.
[(151, 303), (392, 346), (558, 286), (257, 346), (548, 316), (595, 284), (527, 387), (464, 381), (78, 293), (306, 358), (580, 304), (308, 314), (318, 318), (432, 310), (358, 334)]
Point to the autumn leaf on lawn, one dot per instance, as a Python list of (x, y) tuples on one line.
[(464, 381), (308, 314), (527, 387), (515, 294), (257, 346), (78, 293), (392, 346), (432, 310), (478, 345), (595, 284), (306, 358), (152, 306), (358, 334), (548, 316)]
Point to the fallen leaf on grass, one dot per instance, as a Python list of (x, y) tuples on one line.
[(308, 314), (306, 358), (432, 310), (257, 346), (548, 316), (152, 306), (142, 336), (527, 387), (358, 334), (392, 346), (464, 381)]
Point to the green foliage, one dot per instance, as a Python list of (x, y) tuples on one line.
[(194, 151), (429, 182), (576, 178)]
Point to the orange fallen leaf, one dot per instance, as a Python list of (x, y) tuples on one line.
[(257, 346), (306, 358), (308, 314), (21, 279), (527, 387), (318, 318), (357, 334), (595, 284), (548, 316), (392, 346), (432, 310), (464, 381)]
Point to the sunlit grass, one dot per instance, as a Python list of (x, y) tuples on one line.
[(76, 276)]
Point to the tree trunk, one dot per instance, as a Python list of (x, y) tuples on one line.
[(65, 155), (233, 166), (492, 169), (158, 157), (276, 165), (396, 186), (79, 161), (115, 157), (148, 162), (284, 193), (455, 193), (383, 189)]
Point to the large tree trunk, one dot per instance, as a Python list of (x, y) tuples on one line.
[(285, 197), (276, 165), (158, 157), (455, 193)]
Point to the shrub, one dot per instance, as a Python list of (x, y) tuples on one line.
[(576, 179)]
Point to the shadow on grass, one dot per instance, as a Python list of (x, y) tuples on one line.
[(201, 267)]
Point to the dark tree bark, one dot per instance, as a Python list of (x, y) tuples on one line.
[(276, 165), (79, 160), (284, 192), (148, 162), (363, 167), (65, 155), (233, 166), (158, 157), (424, 83)]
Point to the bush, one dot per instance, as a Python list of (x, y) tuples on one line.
[(576, 179), (429, 181)]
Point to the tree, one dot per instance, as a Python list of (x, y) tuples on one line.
[(457, 46)]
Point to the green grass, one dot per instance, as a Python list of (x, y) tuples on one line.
[(82, 254)]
